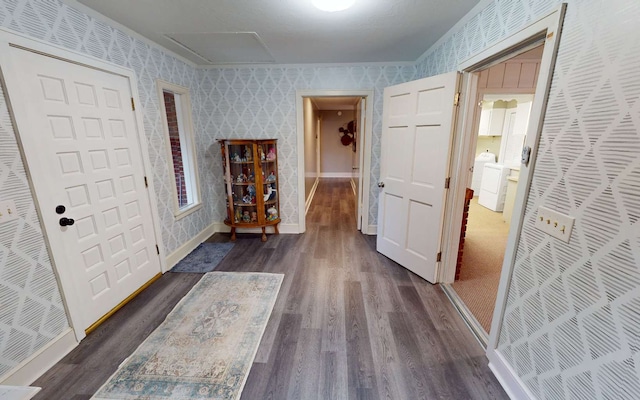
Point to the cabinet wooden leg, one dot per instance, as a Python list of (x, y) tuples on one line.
[(264, 235), (233, 233), (275, 228)]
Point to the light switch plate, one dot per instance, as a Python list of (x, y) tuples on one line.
[(7, 211), (554, 223)]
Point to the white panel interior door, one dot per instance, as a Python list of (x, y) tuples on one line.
[(416, 140), (80, 138)]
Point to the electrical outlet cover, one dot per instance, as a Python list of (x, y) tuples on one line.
[(554, 223), (8, 211)]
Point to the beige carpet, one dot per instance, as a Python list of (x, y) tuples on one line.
[(484, 248)]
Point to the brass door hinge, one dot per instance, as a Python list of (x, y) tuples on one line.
[(456, 99), (439, 257), (133, 105), (146, 182), (158, 249), (447, 182)]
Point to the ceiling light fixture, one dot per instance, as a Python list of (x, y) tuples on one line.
[(333, 5)]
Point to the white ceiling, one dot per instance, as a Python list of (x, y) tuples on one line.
[(210, 32)]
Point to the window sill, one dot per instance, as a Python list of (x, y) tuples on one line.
[(183, 212)]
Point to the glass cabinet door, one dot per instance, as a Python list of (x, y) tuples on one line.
[(242, 177), (269, 163)]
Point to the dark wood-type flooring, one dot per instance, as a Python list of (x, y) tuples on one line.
[(348, 323)]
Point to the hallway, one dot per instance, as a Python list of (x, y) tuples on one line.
[(348, 323)]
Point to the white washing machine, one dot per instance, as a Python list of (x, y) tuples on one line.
[(478, 169), (493, 188)]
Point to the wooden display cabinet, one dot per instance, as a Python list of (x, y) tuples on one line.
[(251, 184)]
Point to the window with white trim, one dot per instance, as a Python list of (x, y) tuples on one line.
[(176, 111)]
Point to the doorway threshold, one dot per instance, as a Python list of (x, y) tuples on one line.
[(467, 316)]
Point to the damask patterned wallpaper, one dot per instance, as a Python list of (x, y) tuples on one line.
[(240, 102), (31, 312), (260, 102), (571, 329)]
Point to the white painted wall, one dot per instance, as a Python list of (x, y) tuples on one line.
[(335, 158)]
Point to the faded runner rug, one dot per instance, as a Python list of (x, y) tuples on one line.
[(203, 258), (206, 345)]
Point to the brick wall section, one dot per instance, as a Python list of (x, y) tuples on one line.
[(174, 139)]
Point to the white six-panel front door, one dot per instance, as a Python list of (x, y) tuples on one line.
[(80, 137), (416, 140)]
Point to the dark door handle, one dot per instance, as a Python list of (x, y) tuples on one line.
[(66, 221), (381, 184)]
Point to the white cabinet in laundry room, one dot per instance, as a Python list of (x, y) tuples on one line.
[(492, 118)]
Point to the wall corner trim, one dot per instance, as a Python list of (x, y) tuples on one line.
[(41, 361), (311, 194), (189, 246), (512, 385)]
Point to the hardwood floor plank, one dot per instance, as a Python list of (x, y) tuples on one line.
[(432, 347), (307, 363), (256, 381), (333, 321), (359, 357), (441, 311), (289, 270), (89, 365), (386, 360), (280, 363), (419, 384), (470, 366), (348, 322), (328, 388)]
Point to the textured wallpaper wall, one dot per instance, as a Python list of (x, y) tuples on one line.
[(32, 313), (260, 102), (239, 102), (571, 329), (31, 309)]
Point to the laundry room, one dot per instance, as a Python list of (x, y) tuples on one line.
[(504, 100)]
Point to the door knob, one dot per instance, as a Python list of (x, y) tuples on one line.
[(66, 221), (60, 209), (380, 184)]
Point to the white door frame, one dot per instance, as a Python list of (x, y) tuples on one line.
[(546, 29), (9, 38), (365, 159)]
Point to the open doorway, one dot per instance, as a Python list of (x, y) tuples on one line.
[(331, 132), (505, 94), (334, 135)]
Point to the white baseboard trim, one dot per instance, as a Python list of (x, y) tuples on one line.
[(336, 175), (307, 204), (189, 246), (282, 228), (511, 383), (371, 230), (41, 361)]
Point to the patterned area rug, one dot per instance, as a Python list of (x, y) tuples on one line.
[(205, 347), (204, 258)]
